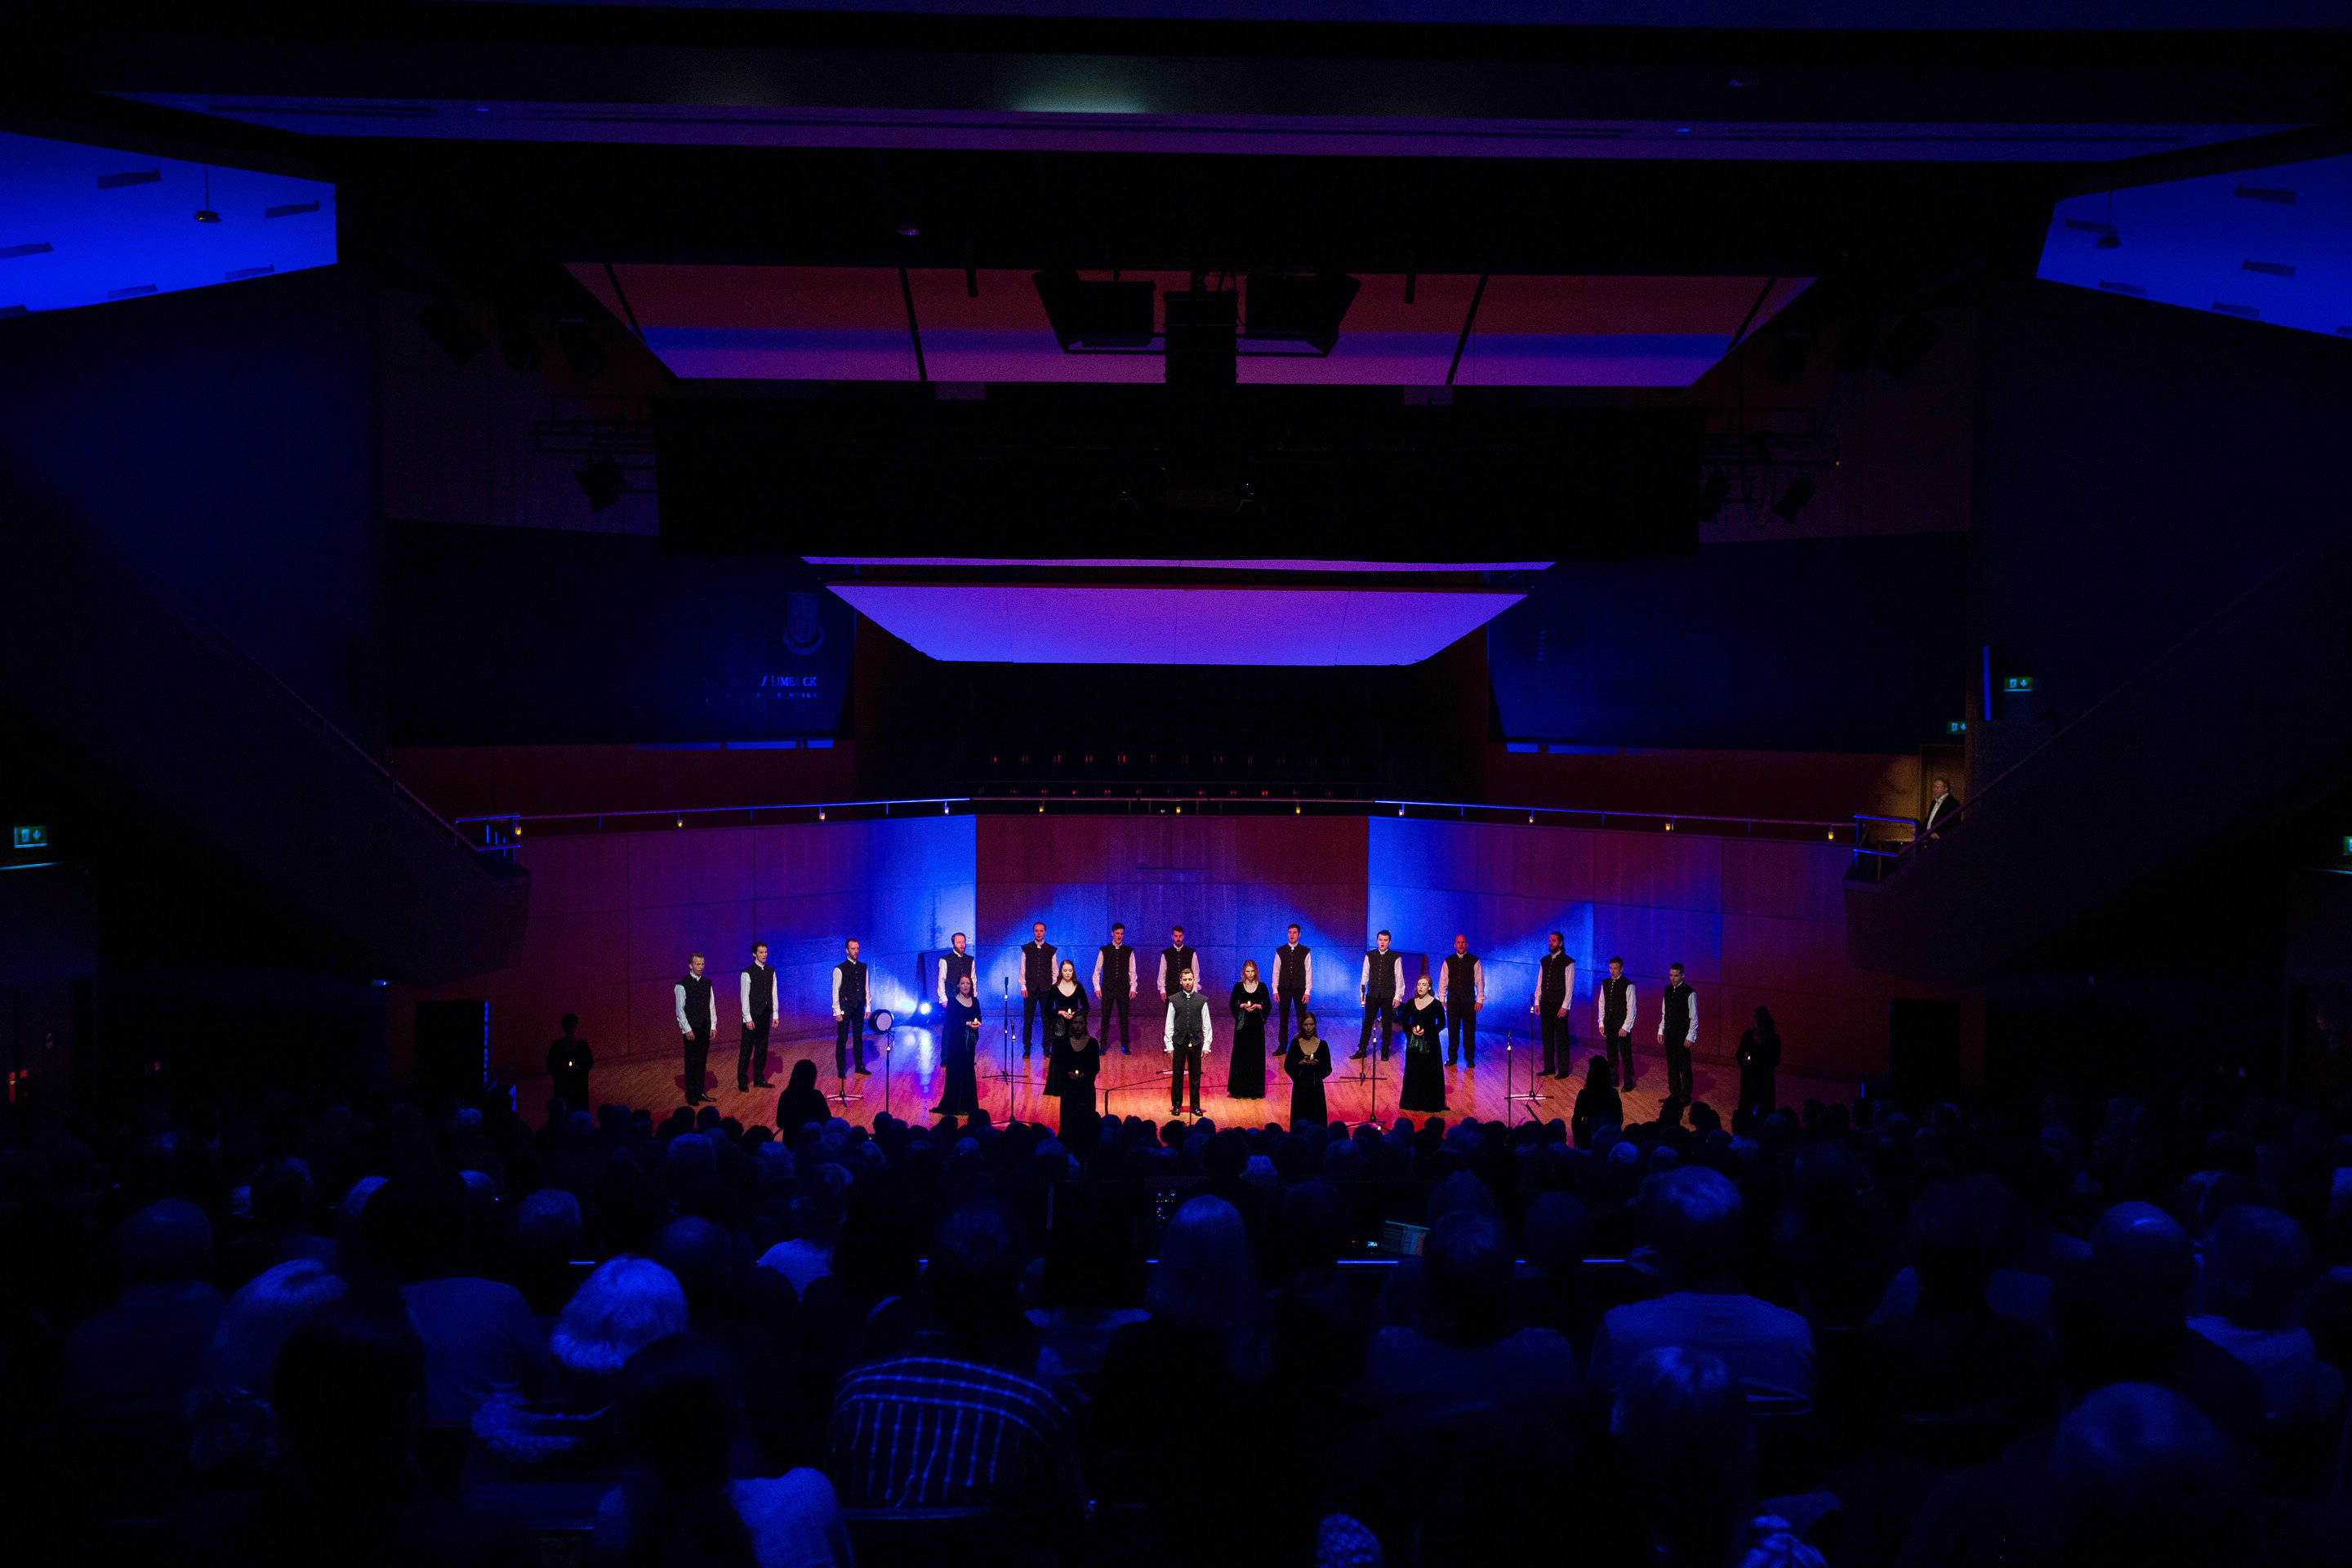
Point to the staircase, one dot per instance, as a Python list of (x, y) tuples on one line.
[(2243, 718), (208, 747)]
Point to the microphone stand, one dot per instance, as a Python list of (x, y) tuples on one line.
[(843, 1096), (1369, 1075), (1533, 1093)]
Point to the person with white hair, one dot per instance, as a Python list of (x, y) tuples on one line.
[(625, 1305)]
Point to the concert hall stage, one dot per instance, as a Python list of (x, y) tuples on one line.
[(1138, 1086)]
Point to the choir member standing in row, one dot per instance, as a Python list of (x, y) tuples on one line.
[(1294, 986), (1462, 990), (959, 1053), (1614, 1005), (1115, 979), (1308, 1062), (849, 1011), (1678, 1031), (1555, 989), (1065, 1001), (756, 990), (1176, 961), (1081, 1061), (1245, 1079), (691, 998), (1188, 1035), (955, 967), (1036, 975), (1423, 1020), (1377, 986)]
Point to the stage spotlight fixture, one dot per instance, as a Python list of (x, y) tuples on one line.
[(924, 1009), (1286, 308), (602, 483), (2108, 241), (205, 214), (1094, 314), (879, 1020), (1792, 500)]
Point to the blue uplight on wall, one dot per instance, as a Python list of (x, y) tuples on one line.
[(84, 225), (2271, 245)]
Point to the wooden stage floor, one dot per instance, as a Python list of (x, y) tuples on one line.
[(1137, 1085)]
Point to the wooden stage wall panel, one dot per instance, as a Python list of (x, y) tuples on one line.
[(613, 917)]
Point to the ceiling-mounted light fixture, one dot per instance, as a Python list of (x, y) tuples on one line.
[(205, 214)]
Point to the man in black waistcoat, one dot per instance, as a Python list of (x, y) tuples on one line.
[(1678, 1030), (1176, 961), (691, 997), (1294, 986), (757, 991), (955, 966), (1462, 990), (1376, 985), (1189, 1033), (1555, 990), (849, 1011), (1114, 984), (1613, 1005), (1037, 973)]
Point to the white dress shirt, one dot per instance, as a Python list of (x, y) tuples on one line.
[(942, 986), (1601, 1008), (1305, 969), (1690, 1038), (1477, 976), (678, 1000), (1364, 976), (1567, 993), (1134, 976), (1208, 1025), (743, 990), (1200, 976)]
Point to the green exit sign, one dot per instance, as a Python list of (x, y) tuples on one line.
[(1955, 726), (32, 837), (2017, 683)]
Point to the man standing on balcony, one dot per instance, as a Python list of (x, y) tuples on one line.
[(1942, 806), (691, 998)]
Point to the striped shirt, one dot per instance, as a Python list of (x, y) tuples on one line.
[(930, 1431)]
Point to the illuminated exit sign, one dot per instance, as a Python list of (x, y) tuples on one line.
[(2017, 683), (32, 837)]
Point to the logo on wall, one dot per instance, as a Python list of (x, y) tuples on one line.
[(803, 623)]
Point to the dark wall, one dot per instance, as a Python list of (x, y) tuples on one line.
[(544, 636), (1819, 645), (225, 439), (2140, 465)]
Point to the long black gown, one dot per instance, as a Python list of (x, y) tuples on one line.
[(1060, 1031), (1082, 1056), (959, 1054), (1245, 1079), (1307, 1072), (1424, 1058)]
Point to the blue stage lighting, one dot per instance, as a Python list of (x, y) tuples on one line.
[(924, 1009)]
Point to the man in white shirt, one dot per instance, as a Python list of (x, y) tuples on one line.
[(1294, 988), (1942, 806), (690, 998), (1189, 1032), (955, 964), (1678, 1031), (1115, 985), (1379, 984), (1462, 990), (756, 990), (1614, 1007)]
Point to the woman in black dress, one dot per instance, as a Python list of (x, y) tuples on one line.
[(800, 1102), (1760, 1061), (1066, 1006), (1597, 1103), (1245, 1079), (1307, 1062), (958, 1051), (1424, 1064), (1081, 1060)]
